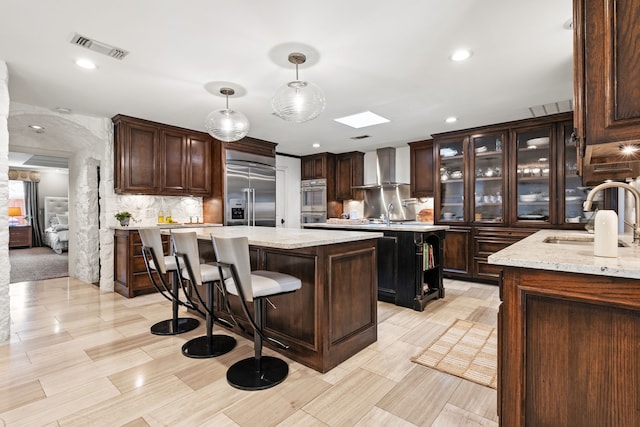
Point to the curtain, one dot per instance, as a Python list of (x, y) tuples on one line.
[(31, 210)]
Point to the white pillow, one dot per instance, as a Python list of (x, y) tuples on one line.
[(62, 219)]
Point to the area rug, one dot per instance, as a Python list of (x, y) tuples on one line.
[(37, 264), (467, 350)]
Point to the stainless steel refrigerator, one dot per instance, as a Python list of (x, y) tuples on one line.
[(250, 189)]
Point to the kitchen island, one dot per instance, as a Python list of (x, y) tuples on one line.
[(569, 332), (410, 258), (130, 274), (334, 315)]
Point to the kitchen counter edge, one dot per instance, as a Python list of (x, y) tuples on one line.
[(533, 252), (381, 227)]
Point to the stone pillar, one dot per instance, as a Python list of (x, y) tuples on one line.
[(5, 266)]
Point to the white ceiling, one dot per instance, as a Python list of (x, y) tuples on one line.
[(387, 57)]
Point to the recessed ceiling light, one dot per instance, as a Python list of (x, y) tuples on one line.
[(86, 64), (361, 120), (460, 55), (451, 119), (62, 110), (315, 145), (37, 128)]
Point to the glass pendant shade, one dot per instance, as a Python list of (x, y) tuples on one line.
[(225, 124), (298, 101)]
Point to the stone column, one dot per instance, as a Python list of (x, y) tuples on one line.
[(5, 266)]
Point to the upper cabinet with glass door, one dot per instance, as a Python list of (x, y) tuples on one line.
[(574, 192), (450, 198), (533, 174), (488, 180)]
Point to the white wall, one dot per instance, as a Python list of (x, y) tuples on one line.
[(291, 189), (5, 266)]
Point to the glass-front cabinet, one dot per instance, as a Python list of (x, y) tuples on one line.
[(534, 175), (488, 165), (450, 199), (574, 192)]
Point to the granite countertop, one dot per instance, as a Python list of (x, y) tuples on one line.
[(394, 226), (573, 253), (285, 238), (163, 226)]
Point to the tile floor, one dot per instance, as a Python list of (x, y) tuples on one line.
[(77, 356)]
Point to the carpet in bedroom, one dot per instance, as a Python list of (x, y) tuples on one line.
[(37, 264)]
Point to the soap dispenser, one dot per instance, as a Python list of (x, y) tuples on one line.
[(605, 242)]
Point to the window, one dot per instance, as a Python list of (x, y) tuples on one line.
[(16, 200)]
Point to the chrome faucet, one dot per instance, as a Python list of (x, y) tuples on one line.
[(389, 210), (636, 195)]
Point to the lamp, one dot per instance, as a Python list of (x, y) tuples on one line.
[(298, 101), (13, 213), (225, 124)]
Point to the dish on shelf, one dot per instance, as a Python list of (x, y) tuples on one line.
[(538, 142), (572, 198), (481, 149), (448, 152), (528, 197), (532, 217), (456, 174)]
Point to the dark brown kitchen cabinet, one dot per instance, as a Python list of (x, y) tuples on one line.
[(157, 159), (496, 179), (130, 274), (317, 166), (349, 173), (136, 156), (606, 87), (568, 349), (458, 252), (489, 240), (186, 163), (421, 168)]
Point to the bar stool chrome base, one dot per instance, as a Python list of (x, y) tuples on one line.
[(208, 346), (175, 326), (245, 375)]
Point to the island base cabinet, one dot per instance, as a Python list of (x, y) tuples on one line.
[(334, 314), (568, 350)]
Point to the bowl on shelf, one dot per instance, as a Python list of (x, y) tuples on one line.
[(538, 142), (528, 197), (447, 215)]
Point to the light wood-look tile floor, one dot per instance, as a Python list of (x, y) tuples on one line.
[(79, 357)]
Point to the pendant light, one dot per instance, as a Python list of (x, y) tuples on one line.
[(225, 124), (298, 101)]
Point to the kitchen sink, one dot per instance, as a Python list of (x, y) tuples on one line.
[(578, 240)]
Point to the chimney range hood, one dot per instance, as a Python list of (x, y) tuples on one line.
[(385, 169)]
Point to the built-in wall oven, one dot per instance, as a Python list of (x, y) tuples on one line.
[(313, 200), (313, 217)]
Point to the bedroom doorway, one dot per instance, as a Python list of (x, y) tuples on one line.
[(38, 243)]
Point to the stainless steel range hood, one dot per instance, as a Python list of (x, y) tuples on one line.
[(385, 169)]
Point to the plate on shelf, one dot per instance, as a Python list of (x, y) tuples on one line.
[(532, 217), (448, 152), (572, 198), (481, 149), (538, 142)]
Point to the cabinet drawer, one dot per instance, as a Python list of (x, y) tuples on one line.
[(491, 246), (484, 269)]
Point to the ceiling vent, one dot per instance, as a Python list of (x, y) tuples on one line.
[(96, 46), (551, 108), (360, 137)]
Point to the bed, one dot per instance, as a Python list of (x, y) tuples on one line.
[(56, 222)]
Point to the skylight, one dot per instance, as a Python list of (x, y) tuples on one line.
[(361, 120)]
